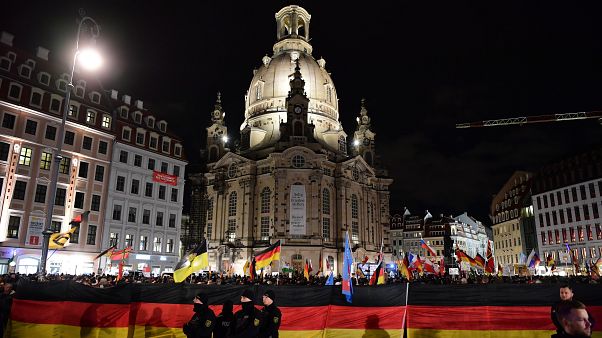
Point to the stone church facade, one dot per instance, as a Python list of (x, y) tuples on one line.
[(294, 176)]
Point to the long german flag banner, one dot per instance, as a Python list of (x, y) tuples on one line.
[(68, 309)]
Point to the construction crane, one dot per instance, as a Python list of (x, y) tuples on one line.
[(533, 119)]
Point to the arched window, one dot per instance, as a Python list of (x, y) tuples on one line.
[(342, 144), (232, 204), (210, 209), (325, 201), (265, 200), (354, 208)]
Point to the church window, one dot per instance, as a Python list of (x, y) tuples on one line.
[(232, 204), (355, 231), (231, 229), (325, 201), (210, 209), (326, 228), (298, 161), (232, 170), (265, 228), (329, 94), (258, 92), (355, 173), (265, 200), (354, 206)]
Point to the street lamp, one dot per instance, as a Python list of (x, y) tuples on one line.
[(90, 60)]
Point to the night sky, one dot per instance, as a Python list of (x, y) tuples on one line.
[(422, 67)]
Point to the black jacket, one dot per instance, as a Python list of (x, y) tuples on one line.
[(223, 324), (200, 325), (246, 325), (271, 321)]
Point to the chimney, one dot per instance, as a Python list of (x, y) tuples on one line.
[(126, 99), (139, 104), (7, 38), (114, 94), (42, 53)]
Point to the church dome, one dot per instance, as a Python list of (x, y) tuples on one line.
[(265, 102)]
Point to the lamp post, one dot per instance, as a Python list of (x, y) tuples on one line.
[(90, 60)]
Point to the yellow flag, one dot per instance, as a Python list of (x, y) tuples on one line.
[(194, 261)]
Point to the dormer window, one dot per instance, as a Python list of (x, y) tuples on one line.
[(44, 78), (123, 112), (55, 103), (95, 97), (106, 121), (91, 117), (126, 133), (25, 71), (31, 63), (151, 122), (61, 84), (162, 126), (137, 117), (178, 150), (81, 83), (79, 91), (5, 63), (36, 98), (11, 56), (14, 91)]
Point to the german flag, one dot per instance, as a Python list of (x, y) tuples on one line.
[(194, 261), (121, 254), (404, 269), (490, 265), (378, 277), (65, 309), (480, 261), (463, 257), (252, 270), (266, 256)]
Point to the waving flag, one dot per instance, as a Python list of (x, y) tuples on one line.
[(347, 285), (480, 261), (490, 266), (266, 256), (330, 280), (306, 270), (59, 240), (405, 271), (106, 252), (427, 247), (194, 261)]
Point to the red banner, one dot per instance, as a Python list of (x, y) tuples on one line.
[(165, 178)]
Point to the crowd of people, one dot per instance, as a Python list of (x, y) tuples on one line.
[(103, 281)]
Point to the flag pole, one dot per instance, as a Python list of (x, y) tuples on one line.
[(279, 264), (405, 310)]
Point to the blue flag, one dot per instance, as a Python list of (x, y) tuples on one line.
[(347, 285), (330, 280)]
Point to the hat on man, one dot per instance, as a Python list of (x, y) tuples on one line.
[(203, 297), (270, 294), (248, 293)]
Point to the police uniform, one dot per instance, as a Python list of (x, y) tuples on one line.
[(202, 322), (271, 318), (224, 321), (247, 321)]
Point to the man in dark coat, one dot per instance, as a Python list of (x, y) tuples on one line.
[(271, 316), (247, 321), (574, 319), (224, 321), (203, 321)]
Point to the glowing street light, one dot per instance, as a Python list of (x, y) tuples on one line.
[(89, 60)]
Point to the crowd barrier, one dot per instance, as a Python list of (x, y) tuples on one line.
[(69, 309)]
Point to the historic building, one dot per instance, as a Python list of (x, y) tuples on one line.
[(292, 177), (32, 91), (512, 217), (567, 197), (146, 189), (118, 161)]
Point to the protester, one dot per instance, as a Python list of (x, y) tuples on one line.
[(566, 294), (203, 321), (573, 318), (271, 316), (247, 321), (224, 321)]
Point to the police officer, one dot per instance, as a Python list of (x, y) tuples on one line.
[(203, 321), (271, 316), (224, 321), (247, 321)]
